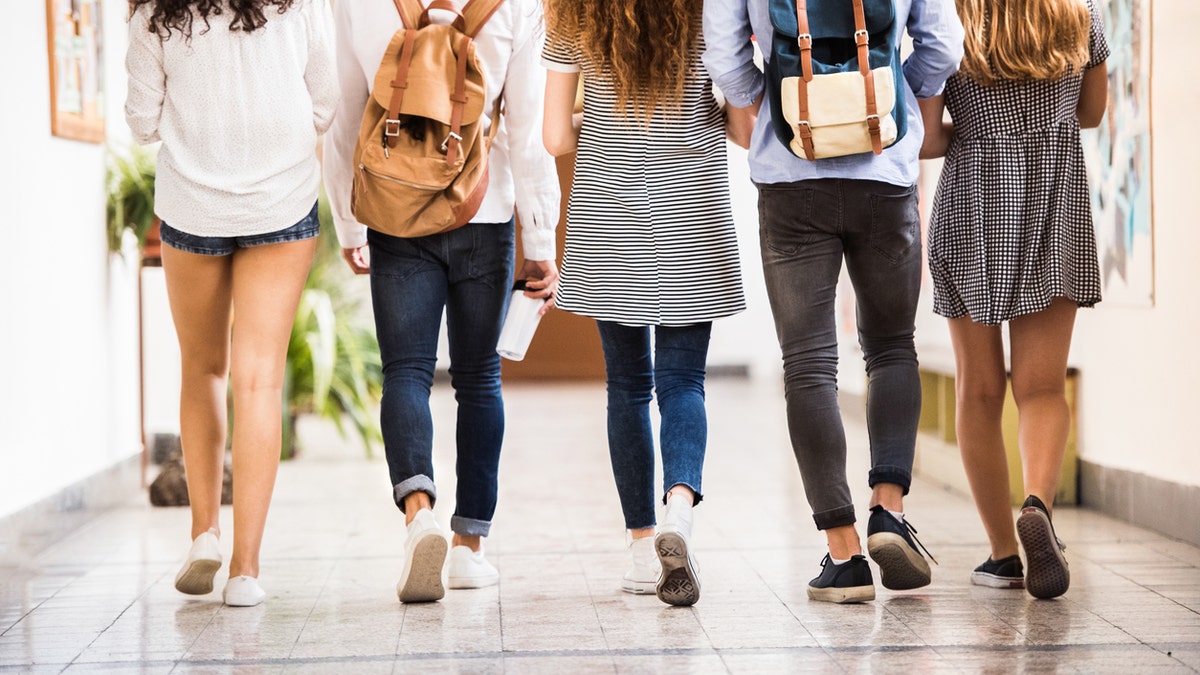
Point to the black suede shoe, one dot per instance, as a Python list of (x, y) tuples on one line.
[(849, 582), (894, 548), (1002, 573), (1046, 575)]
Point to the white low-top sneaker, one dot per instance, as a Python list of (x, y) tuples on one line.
[(680, 581), (203, 561), (424, 555), (243, 591), (469, 569), (644, 568)]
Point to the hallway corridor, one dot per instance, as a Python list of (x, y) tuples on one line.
[(102, 600)]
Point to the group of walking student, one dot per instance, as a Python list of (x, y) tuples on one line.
[(239, 91)]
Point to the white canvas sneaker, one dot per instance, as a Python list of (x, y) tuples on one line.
[(644, 568), (470, 569), (424, 555), (243, 591), (203, 561), (680, 580)]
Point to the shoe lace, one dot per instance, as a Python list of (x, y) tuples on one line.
[(913, 531)]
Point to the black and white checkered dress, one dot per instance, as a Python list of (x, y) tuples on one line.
[(1012, 224), (650, 236)]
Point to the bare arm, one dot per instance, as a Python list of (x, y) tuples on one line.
[(739, 122), (937, 131), (1093, 98), (560, 124)]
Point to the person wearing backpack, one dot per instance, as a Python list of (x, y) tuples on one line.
[(422, 88), (651, 251), (835, 90), (238, 95), (1011, 240)]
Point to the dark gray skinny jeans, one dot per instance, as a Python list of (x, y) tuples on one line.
[(806, 229)]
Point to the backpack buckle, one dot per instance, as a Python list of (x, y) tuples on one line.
[(860, 37), (446, 143), (391, 127), (804, 40), (873, 122)]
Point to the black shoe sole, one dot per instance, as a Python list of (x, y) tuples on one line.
[(679, 585), (900, 567), (1046, 572)]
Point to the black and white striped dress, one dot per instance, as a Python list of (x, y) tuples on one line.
[(1011, 226), (650, 237)]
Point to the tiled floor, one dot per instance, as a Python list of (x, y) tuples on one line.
[(102, 599)]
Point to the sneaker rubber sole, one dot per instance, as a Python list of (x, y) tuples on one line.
[(197, 577), (679, 585), (996, 581), (1046, 572), (842, 595), (639, 587), (901, 568), (422, 580)]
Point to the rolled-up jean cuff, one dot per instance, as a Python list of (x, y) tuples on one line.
[(418, 483), (696, 496), (470, 527), (839, 517), (890, 474)]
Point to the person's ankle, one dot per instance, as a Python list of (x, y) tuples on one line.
[(682, 491), (473, 542), (414, 502)]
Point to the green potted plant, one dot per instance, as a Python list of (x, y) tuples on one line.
[(129, 181)]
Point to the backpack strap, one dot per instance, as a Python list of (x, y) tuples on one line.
[(861, 38), (391, 126), (410, 12), (476, 13), (804, 40)]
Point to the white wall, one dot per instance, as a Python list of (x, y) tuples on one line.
[(69, 402), (1139, 393)]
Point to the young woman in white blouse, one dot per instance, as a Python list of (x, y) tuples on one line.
[(237, 91)]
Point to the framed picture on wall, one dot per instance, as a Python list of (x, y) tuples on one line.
[(76, 46)]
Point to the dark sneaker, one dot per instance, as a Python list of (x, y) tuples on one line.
[(849, 582), (1002, 573), (1047, 575), (893, 546)]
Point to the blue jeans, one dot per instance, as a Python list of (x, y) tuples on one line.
[(677, 376), (468, 273), (806, 229), (307, 228)]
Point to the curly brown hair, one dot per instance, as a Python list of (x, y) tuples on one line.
[(168, 15), (1023, 39), (642, 44)]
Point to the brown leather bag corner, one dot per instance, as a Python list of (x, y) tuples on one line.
[(421, 156)]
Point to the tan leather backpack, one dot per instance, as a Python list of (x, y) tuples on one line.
[(421, 156)]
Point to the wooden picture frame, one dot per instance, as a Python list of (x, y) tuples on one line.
[(75, 41)]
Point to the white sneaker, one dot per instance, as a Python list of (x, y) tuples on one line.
[(680, 580), (469, 569), (644, 568), (203, 561), (243, 591), (424, 554)]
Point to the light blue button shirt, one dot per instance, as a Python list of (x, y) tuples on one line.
[(937, 38)]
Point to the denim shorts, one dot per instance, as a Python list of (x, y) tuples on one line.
[(190, 243)]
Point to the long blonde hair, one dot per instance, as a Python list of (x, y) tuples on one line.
[(644, 45), (1023, 39)]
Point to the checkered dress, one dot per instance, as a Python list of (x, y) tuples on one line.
[(1012, 224)]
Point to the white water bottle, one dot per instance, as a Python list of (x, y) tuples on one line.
[(519, 323)]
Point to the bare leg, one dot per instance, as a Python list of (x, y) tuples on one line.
[(199, 289), (843, 542), (980, 384), (1040, 345), (267, 281), (890, 495)]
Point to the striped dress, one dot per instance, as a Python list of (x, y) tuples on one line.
[(650, 238)]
